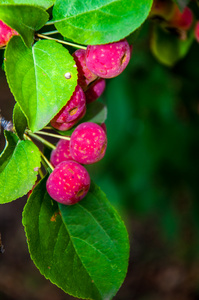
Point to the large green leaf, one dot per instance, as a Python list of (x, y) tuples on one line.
[(168, 48), (19, 121), (37, 81), (99, 22), (25, 19), (19, 164), (81, 248), (43, 3)]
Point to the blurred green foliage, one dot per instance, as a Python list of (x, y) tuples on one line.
[(152, 161)]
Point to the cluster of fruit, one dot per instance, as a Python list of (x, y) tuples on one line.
[(69, 182), (94, 65)]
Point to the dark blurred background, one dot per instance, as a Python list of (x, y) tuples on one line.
[(150, 174)]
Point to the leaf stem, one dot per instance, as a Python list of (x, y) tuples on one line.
[(60, 41), (40, 139), (53, 135), (48, 127), (50, 32), (46, 161), (50, 23), (41, 173)]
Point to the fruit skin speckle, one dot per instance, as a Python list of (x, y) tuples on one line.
[(109, 60), (61, 153), (72, 112), (6, 33), (88, 143), (68, 183)]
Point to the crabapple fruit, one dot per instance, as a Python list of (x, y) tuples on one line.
[(72, 112), (61, 153), (5, 33), (68, 183), (85, 76), (95, 90), (88, 143), (108, 60), (181, 20)]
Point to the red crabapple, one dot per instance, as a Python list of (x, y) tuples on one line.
[(197, 31), (88, 143), (95, 90), (5, 33), (108, 60), (61, 153), (85, 76), (72, 112), (181, 20), (68, 183)]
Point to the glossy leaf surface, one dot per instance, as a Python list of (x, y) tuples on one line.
[(25, 19), (82, 248), (37, 79), (99, 22), (19, 164)]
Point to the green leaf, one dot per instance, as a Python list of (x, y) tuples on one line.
[(96, 112), (19, 120), (82, 248), (167, 47), (182, 3), (25, 19), (43, 3), (99, 22), (36, 79), (19, 164)]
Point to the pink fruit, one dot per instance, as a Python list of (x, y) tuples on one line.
[(68, 183), (197, 31), (88, 143), (5, 33), (181, 20), (61, 153), (95, 90), (108, 60), (85, 76), (72, 112)]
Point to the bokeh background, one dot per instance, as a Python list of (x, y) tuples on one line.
[(150, 174)]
